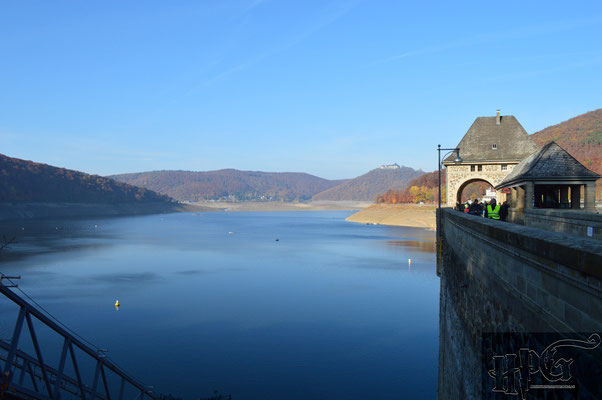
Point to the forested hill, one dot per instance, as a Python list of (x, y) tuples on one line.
[(366, 187), (580, 136), (24, 181), (424, 188), (230, 184)]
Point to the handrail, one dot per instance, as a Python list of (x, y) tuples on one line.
[(53, 372), (26, 311)]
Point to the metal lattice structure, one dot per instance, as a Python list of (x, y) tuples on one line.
[(26, 376)]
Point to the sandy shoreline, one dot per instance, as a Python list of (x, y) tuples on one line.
[(422, 216), (281, 206), (413, 215)]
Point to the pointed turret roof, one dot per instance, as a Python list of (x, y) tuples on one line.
[(551, 162), (512, 142)]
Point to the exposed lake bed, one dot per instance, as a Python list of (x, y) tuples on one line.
[(253, 304), (410, 215)]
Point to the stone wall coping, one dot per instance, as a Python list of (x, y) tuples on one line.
[(577, 253), (581, 215)]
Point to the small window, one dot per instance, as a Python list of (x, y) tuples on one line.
[(494, 146), (472, 168), (504, 167), (480, 167)]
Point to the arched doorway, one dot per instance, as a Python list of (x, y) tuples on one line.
[(475, 188)]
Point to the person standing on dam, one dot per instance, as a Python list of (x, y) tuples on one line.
[(492, 210), (475, 208), (504, 211)]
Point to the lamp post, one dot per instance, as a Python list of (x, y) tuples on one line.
[(458, 159)]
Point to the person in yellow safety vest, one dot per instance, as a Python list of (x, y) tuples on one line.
[(493, 210)]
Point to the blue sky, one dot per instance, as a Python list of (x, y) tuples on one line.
[(332, 88)]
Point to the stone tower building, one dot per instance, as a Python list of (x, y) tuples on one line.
[(489, 151)]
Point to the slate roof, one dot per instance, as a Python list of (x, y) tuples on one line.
[(513, 142), (551, 162)]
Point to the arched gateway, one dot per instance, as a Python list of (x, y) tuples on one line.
[(489, 151), (467, 182)]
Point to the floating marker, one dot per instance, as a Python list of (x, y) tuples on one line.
[(409, 260), (117, 303)]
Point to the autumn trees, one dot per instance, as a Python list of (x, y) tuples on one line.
[(421, 189)]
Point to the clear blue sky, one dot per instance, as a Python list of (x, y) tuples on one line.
[(333, 88)]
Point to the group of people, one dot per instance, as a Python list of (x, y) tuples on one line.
[(485, 209)]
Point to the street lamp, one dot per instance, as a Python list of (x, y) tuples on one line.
[(458, 159)]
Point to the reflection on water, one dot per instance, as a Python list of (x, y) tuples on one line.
[(425, 246), (213, 301), (32, 238)]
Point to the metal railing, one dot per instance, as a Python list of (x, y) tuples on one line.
[(38, 380)]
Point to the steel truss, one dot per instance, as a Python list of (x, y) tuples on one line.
[(37, 380)]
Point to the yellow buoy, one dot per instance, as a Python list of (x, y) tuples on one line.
[(117, 303), (409, 260)]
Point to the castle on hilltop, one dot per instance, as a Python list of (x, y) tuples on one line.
[(390, 166)]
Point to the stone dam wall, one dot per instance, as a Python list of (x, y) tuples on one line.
[(501, 280)]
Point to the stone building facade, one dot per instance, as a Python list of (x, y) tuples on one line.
[(490, 150), (461, 175)]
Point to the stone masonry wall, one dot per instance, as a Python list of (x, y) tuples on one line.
[(459, 175), (500, 277), (572, 222)]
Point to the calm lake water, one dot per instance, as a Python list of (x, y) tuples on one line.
[(332, 310)]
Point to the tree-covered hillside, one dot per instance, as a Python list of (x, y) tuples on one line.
[(27, 181), (230, 184), (580, 136), (366, 187), (423, 188)]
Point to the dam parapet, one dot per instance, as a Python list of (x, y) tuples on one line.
[(507, 287)]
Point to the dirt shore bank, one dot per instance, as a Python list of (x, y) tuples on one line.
[(414, 215)]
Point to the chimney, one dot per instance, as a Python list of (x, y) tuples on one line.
[(498, 119)]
